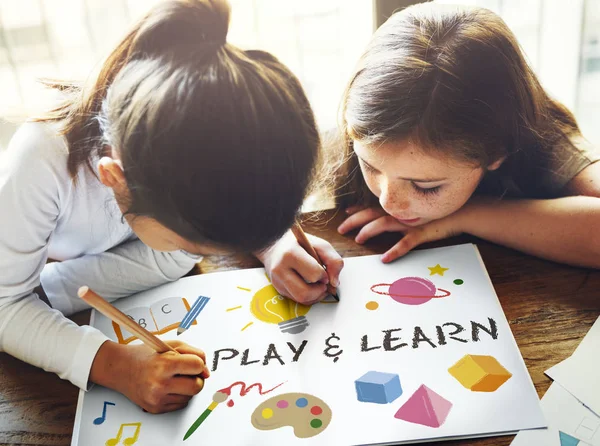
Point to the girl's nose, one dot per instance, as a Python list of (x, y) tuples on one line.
[(392, 200)]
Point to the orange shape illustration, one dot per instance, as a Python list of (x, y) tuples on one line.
[(480, 373)]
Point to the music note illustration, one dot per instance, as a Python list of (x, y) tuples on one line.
[(102, 419), (128, 441)]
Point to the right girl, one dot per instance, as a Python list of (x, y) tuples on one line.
[(449, 131)]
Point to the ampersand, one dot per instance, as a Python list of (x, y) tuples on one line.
[(330, 346)]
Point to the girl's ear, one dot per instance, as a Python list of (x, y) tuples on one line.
[(496, 163), (112, 175)]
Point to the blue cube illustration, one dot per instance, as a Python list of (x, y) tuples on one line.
[(378, 387)]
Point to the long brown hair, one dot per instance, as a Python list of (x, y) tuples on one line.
[(217, 143), (454, 80)]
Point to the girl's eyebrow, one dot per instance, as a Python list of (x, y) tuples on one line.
[(423, 180), (416, 180)]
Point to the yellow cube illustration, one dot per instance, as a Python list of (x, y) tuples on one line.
[(480, 373)]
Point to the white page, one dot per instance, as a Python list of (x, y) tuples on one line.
[(579, 374), (227, 322), (168, 311), (140, 315), (564, 414)]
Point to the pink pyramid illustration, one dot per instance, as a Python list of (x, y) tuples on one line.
[(425, 407)]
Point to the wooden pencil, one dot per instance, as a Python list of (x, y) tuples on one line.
[(117, 316), (305, 243)]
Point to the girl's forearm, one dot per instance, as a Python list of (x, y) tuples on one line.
[(565, 230)]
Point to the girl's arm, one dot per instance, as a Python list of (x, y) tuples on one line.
[(121, 271), (563, 229), (29, 209), (33, 179), (566, 229)]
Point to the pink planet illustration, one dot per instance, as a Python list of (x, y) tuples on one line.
[(411, 290)]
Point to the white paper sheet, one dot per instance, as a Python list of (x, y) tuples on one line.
[(580, 373), (564, 414), (368, 331)]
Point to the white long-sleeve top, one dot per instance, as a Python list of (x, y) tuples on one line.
[(43, 214)]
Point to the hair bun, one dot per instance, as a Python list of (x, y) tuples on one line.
[(213, 18), (173, 24)]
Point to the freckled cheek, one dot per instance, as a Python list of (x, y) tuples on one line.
[(428, 207), (372, 183), (448, 202)]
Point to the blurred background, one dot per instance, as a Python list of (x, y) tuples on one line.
[(320, 40)]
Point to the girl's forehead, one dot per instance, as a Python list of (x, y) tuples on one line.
[(408, 156)]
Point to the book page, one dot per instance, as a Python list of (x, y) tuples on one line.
[(416, 350)]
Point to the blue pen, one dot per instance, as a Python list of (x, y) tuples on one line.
[(191, 316)]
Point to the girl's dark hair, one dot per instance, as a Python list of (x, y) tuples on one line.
[(218, 144), (452, 80)]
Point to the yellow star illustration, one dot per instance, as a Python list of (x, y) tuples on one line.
[(437, 269)]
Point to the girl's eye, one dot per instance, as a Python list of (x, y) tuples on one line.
[(426, 190), (368, 168)]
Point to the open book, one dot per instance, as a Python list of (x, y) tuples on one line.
[(416, 350), (159, 318)]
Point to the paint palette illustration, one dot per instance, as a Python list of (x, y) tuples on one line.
[(307, 414)]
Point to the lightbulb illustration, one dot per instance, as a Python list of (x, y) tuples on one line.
[(269, 306)]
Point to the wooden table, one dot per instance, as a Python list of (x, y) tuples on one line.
[(550, 308)]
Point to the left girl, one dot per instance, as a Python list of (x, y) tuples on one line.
[(182, 145)]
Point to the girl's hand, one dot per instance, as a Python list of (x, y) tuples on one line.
[(295, 274), (374, 221), (157, 382)]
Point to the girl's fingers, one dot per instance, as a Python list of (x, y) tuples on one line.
[(411, 240), (359, 219), (379, 226), (172, 407), (173, 399), (187, 364), (302, 292), (186, 385), (309, 269), (184, 348), (353, 209), (330, 257)]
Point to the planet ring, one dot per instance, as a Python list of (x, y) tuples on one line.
[(383, 293)]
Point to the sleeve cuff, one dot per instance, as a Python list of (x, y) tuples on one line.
[(83, 359)]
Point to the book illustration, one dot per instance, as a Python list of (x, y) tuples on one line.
[(221, 396), (127, 441), (425, 407), (378, 387), (480, 373), (305, 413), (101, 419), (567, 440), (191, 316), (159, 318), (267, 305), (437, 269), (372, 305), (587, 428), (411, 290)]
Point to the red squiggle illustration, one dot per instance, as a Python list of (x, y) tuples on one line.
[(245, 388)]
